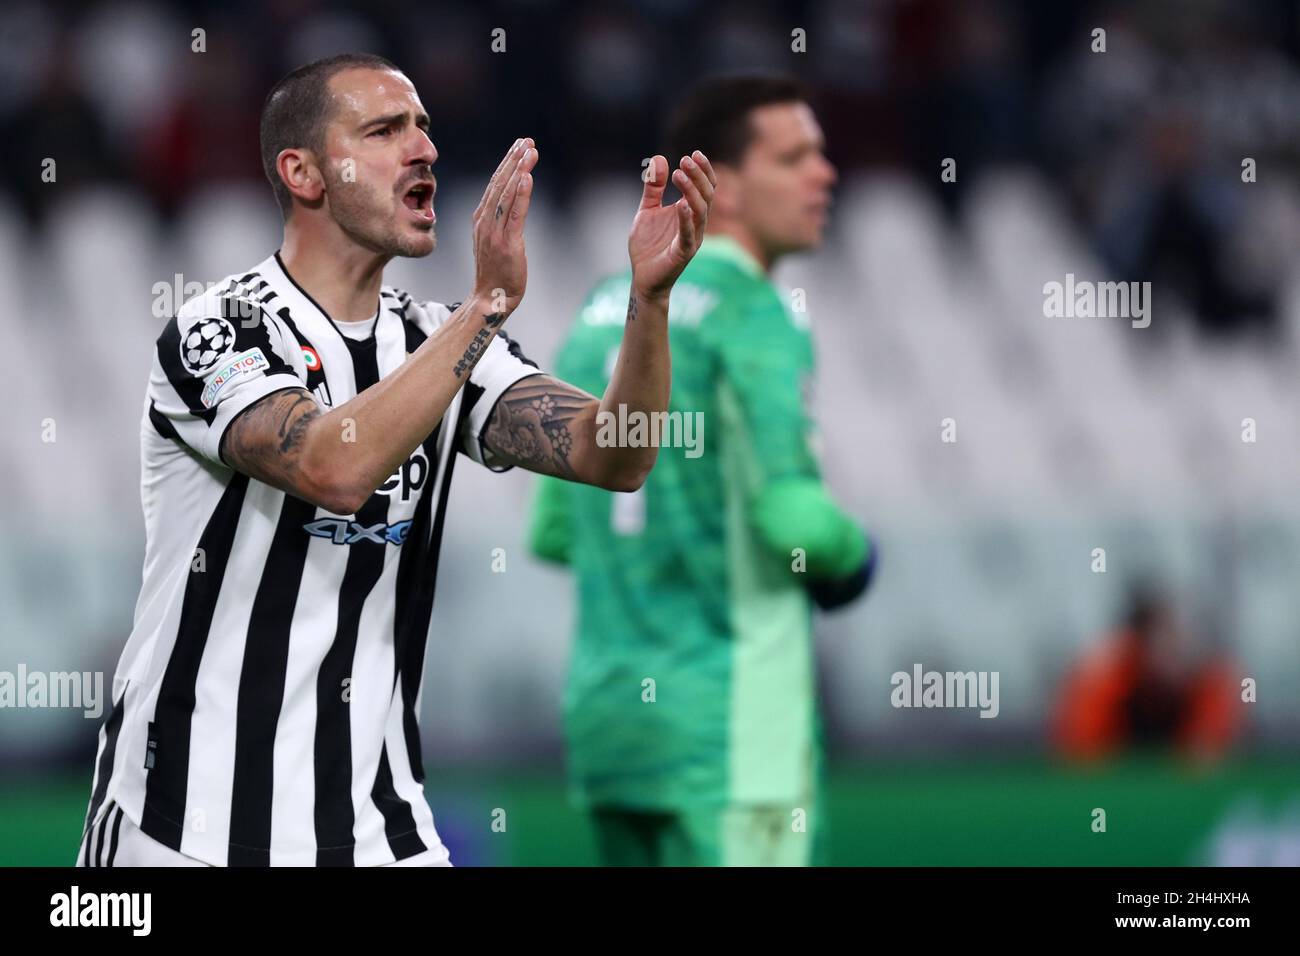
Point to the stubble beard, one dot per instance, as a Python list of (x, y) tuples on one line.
[(365, 220)]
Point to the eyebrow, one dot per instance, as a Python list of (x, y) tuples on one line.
[(807, 146), (421, 120)]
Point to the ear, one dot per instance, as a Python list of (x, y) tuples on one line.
[(726, 194), (299, 173)]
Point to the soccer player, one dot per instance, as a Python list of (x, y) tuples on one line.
[(690, 709), (301, 426)]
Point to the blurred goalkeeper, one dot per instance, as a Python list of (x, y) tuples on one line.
[(690, 712)]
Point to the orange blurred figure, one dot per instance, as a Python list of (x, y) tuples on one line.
[(1142, 689)]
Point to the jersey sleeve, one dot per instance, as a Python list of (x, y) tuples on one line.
[(503, 363), (212, 363)]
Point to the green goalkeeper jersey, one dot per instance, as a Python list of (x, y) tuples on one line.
[(692, 677)]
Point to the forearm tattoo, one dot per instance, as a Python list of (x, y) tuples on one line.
[(491, 322), (531, 425), (631, 307)]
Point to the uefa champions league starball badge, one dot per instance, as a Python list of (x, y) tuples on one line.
[(206, 342)]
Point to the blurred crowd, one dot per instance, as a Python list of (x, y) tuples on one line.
[(1126, 164), (1146, 139)]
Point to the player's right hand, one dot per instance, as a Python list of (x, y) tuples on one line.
[(500, 264)]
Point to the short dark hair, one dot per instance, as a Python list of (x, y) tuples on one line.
[(714, 116), (297, 110)]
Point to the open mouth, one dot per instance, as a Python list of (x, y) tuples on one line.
[(419, 199)]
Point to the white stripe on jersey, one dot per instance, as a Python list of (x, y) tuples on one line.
[(265, 702)]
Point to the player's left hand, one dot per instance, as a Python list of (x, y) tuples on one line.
[(664, 238)]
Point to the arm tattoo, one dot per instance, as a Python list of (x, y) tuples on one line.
[(491, 322), (293, 428), (263, 442), (631, 307), (530, 425)]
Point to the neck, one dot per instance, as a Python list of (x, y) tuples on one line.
[(741, 235), (342, 277)]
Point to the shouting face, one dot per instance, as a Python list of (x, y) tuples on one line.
[(378, 161)]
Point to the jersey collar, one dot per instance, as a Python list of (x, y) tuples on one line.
[(729, 250), (387, 301)]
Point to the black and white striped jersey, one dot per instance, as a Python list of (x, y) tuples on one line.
[(265, 706)]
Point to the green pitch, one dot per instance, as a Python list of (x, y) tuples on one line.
[(1024, 813)]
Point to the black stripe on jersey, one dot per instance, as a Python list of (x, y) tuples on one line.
[(238, 287), (415, 595), (260, 287), (414, 609), (99, 841), (261, 686), (112, 726), (239, 294), (513, 347), (472, 393), (399, 821), (169, 733), (163, 425), (413, 664), (117, 827), (333, 747), (241, 284), (315, 376), (187, 386), (414, 336), (255, 288)]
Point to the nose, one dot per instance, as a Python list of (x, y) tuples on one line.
[(827, 171), (423, 153)]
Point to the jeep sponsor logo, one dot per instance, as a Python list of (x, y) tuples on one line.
[(407, 480)]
